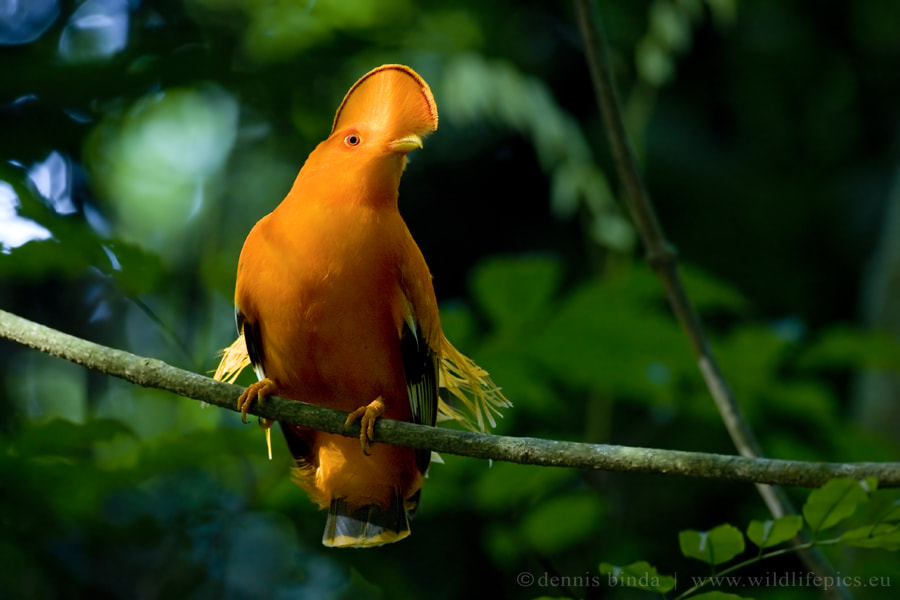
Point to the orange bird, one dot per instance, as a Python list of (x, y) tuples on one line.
[(334, 306)]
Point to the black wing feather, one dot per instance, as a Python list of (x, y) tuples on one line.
[(297, 440), (252, 339), (421, 366)]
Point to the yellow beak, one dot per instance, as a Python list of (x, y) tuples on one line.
[(406, 144)]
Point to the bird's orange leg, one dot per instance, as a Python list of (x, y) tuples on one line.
[(367, 415), (259, 390)]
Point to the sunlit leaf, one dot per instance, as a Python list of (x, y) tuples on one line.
[(35, 241), (654, 63), (640, 575), (833, 502), (95, 31), (714, 547), (157, 165), (766, 534), (670, 24)]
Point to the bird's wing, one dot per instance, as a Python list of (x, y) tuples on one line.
[(420, 365)]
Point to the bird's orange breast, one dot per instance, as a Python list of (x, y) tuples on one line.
[(324, 290)]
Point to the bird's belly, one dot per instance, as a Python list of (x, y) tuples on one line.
[(337, 342)]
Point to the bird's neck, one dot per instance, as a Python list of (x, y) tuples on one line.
[(373, 184)]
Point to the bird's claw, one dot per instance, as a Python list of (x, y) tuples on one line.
[(367, 415), (259, 390)]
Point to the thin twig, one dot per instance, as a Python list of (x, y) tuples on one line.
[(660, 253), (154, 373), (662, 258)]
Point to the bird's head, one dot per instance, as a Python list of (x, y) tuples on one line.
[(383, 117), (393, 105)]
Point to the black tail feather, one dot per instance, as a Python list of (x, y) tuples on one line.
[(366, 527)]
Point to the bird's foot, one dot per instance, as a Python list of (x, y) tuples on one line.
[(259, 390), (367, 415)]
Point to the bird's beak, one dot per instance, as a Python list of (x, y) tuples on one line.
[(406, 144)]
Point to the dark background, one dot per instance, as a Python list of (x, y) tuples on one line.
[(140, 141)]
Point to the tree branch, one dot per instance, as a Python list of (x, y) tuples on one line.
[(154, 373)]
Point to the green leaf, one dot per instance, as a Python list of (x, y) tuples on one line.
[(562, 521), (640, 575), (606, 310), (708, 293), (842, 346), (507, 488), (138, 272), (515, 291), (713, 547), (883, 535), (833, 502), (893, 513), (715, 595), (869, 485), (59, 437), (766, 534)]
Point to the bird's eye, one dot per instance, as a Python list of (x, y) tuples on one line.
[(352, 139)]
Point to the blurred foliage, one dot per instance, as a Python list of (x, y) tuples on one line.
[(141, 140), (833, 503)]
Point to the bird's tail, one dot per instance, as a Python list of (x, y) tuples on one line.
[(234, 360), (366, 527), (465, 383)]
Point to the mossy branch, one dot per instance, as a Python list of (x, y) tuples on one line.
[(149, 372)]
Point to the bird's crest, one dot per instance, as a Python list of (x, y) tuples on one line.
[(390, 98)]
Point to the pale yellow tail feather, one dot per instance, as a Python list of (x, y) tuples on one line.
[(472, 386), (234, 360)]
